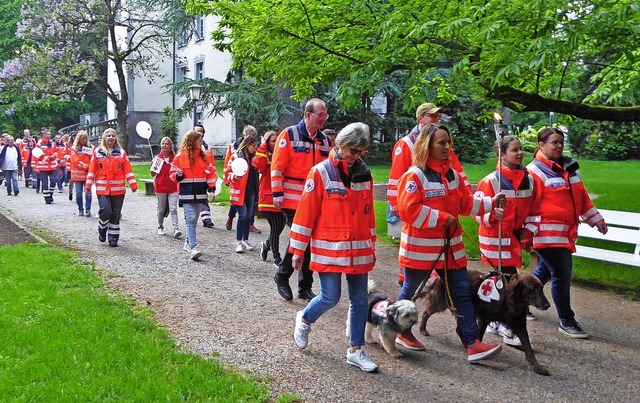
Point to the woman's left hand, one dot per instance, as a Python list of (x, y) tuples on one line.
[(499, 199), (498, 213), (602, 227)]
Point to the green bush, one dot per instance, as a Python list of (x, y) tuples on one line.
[(610, 141), (169, 125)]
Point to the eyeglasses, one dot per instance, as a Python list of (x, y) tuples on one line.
[(555, 143), (355, 151), (322, 115)]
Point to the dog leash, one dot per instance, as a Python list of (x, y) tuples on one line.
[(447, 245)]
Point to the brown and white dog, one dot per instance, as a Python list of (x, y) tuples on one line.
[(511, 310), (389, 318)]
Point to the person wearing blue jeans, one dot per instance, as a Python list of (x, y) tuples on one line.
[(556, 264), (191, 214), (80, 195), (11, 165)]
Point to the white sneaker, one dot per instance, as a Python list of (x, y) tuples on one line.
[(301, 332), (507, 336), (186, 247), (492, 328), (177, 234), (239, 248), (195, 254), (161, 231), (361, 360), (246, 246)]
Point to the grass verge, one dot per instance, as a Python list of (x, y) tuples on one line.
[(65, 338)]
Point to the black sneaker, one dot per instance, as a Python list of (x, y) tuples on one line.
[(207, 224), (264, 250), (572, 329)]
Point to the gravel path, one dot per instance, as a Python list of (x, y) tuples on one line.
[(227, 306)]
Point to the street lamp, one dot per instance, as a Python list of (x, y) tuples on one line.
[(194, 92)]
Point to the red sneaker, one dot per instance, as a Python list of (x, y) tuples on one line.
[(254, 230), (480, 351), (408, 340)]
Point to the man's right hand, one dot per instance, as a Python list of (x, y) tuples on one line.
[(296, 262)]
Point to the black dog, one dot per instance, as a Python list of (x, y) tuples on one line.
[(520, 291)]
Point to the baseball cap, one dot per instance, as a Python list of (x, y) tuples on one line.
[(428, 108)]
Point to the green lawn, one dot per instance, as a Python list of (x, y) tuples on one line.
[(65, 338)]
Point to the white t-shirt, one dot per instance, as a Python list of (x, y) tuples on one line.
[(10, 159)]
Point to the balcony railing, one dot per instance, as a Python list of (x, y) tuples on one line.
[(94, 130)]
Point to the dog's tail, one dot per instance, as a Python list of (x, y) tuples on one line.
[(371, 285)]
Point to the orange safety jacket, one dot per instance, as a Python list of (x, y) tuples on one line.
[(226, 168), (517, 186), (295, 153), (25, 154), (49, 159), (80, 160), (262, 163), (196, 180), (238, 184), (425, 200), (336, 216), (109, 172), (563, 201), (402, 159)]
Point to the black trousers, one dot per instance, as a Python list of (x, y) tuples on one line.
[(277, 221), (305, 276)]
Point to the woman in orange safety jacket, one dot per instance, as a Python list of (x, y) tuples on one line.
[(430, 198), (196, 177), (26, 152), (554, 222), (109, 169), (80, 157), (46, 165), (243, 192), (336, 218), (262, 163)]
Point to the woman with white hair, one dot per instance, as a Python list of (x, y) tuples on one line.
[(336, 217)]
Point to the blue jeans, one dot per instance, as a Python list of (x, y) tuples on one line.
[(11, 176), (61, 176), (330, 288), (460, 293), (191, 214), (556, 264), (80, 194), (245, 213)]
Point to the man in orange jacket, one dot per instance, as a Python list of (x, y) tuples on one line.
[(298, 148)]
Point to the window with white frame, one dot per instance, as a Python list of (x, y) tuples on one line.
[(199, 27), (199, 71), (181, 73)]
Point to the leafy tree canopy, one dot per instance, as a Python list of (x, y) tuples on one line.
[(578, 58)]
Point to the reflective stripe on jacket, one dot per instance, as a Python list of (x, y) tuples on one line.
[(518, 188), (49, 159), (425, 201), (197, 178), (79, 165), (336, 217), (293, 157), (262, 163), (563, 199), (109, 171)]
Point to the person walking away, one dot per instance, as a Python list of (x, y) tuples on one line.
[(80, 157), (166, 190), (431, 195), (514, 181), (554, 222), (11, 165), (46, 165), (109, 169), (298, 148), (196, 178), (275, 217), (244, 192), (336, 218)]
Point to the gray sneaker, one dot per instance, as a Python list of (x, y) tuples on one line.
[(361, 360), (301, 332), (572, 329)]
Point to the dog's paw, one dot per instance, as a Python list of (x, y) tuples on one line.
[(540, 370), (397, 354), (425, 332)]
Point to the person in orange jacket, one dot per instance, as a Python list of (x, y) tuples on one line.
[(27, 156), (431, 195), (196, 178), (46, 165), (80, 157), (553, 222), (275, 217), (61, 173), (401, 158), (514, 181), (109, 169), (243, 191), (336, 219), (298, 148)]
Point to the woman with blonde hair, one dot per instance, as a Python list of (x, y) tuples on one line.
[(166, 190), (109, 169), (196, 177), (80, 157)]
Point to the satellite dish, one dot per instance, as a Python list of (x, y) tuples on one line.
[(218, 186), (37, 153), (239, 166), (143, 128)]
